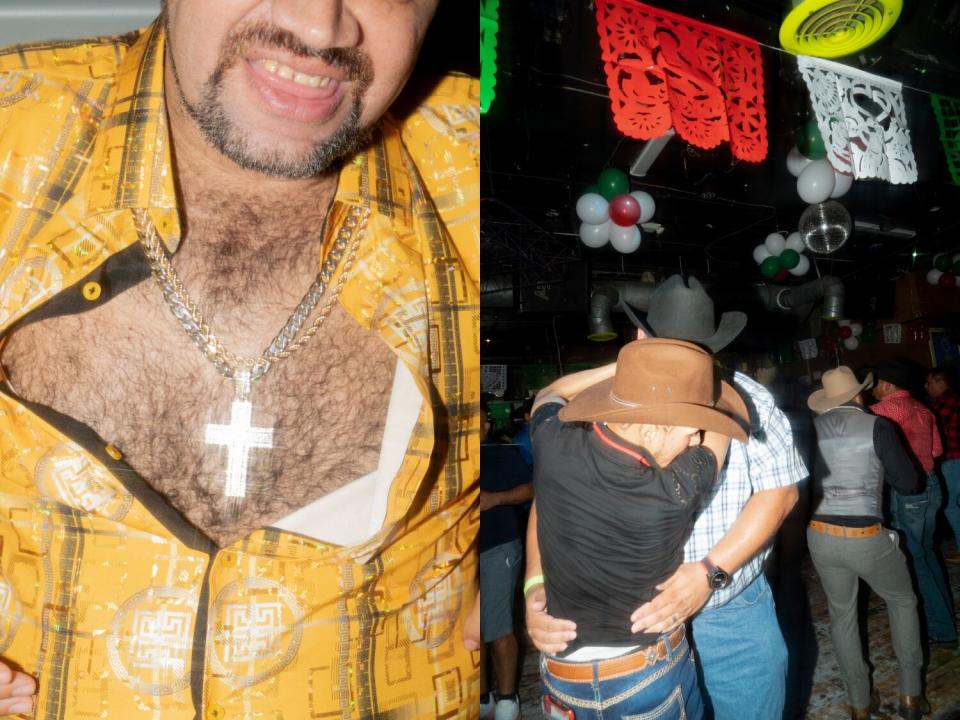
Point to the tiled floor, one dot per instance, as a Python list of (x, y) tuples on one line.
[(815, 689)]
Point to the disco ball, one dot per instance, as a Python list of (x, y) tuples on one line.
[(825, 227)]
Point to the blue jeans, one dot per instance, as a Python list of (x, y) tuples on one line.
[(742, 657), (666, 690), (951, 478), (916, 517)]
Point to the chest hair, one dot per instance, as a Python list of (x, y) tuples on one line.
[(130, 373)]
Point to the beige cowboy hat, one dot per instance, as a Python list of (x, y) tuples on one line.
[(663, 382), (839, 386)]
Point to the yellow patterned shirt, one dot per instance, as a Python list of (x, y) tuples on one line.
[(118, 607)]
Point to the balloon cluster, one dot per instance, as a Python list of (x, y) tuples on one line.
[(817, 181), (610, 212), (850, 333), (946, 271), (780, 256)]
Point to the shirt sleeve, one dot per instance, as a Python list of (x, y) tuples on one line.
[(544, 413), (694, 472), (773, 457), (898, 468), (936, 444)]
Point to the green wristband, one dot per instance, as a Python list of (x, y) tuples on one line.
[(531, 582)]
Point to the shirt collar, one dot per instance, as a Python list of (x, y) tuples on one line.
[(130, 163)]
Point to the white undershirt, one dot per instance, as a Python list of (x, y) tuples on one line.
[(355, 512)]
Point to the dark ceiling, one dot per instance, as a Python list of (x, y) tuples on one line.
[(550, 131)]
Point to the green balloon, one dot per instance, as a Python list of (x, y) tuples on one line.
[(942, 263), (770, 266), (613, 182), (591, 189), (809, 141), (789, 259)]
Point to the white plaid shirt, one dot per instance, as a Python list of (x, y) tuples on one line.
[(767, 461)]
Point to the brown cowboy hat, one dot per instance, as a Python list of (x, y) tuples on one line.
[(663, 382), (840, 385)]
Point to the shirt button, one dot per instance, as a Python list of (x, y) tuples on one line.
[(92, 290)]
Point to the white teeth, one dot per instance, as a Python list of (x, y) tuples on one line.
[(288, 73)]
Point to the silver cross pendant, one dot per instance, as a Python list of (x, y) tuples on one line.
[(239, 437)]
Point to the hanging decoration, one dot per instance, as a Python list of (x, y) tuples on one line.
[(665, 70), (817, 180), (832, 28), (609, 212), (489, 23), (946, 271), (850, 333), (862, 120), (947, 110), (780, 257), (825, 227)]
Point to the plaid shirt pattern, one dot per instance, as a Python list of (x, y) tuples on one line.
[(918, 424), (947, 407), (769, 460)]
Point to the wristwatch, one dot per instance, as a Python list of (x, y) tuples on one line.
[(717, 577)]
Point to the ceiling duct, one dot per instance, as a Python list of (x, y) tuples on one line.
[(635, 296)]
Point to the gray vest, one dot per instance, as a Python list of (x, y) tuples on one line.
[(848, 470)]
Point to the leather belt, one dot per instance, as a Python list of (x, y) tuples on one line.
[(843, 531), (615, 667)]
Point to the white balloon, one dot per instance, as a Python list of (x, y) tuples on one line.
[(775, 243), (760, 253), (843, 323), (647, 205), (856, 328), (593, 208), (851, 343), (626, 239), (841, 183), (816, 182), (595, 235), (956, 257), (795, 242), (802, 267), (933, 277), (797, 161)]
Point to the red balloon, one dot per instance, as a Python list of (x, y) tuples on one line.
[(947, 280), (845, 332), (781, 276), (624, 210)]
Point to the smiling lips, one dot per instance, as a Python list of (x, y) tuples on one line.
[(292, 93)]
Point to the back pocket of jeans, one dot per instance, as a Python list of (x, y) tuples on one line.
[(672, 707)]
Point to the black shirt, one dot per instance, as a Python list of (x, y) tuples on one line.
[(502, 467), (610, 526)]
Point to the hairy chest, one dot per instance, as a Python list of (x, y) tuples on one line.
[(127, 371)]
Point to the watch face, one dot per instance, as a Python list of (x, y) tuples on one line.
[(719, 579)]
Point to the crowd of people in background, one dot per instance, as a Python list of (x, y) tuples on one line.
[(882, 476)]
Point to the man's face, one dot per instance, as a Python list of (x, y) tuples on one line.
[(935, 386), (288, 87)]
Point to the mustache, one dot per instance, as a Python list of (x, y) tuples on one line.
[(355, 63)]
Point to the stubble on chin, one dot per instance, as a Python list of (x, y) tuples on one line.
[(221, 131)]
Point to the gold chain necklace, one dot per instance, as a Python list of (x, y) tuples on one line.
[(240, 436)]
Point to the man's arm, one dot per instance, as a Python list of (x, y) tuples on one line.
[(898, 469), (569, 386), (514, 496), (549, 634), (687, 590)]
